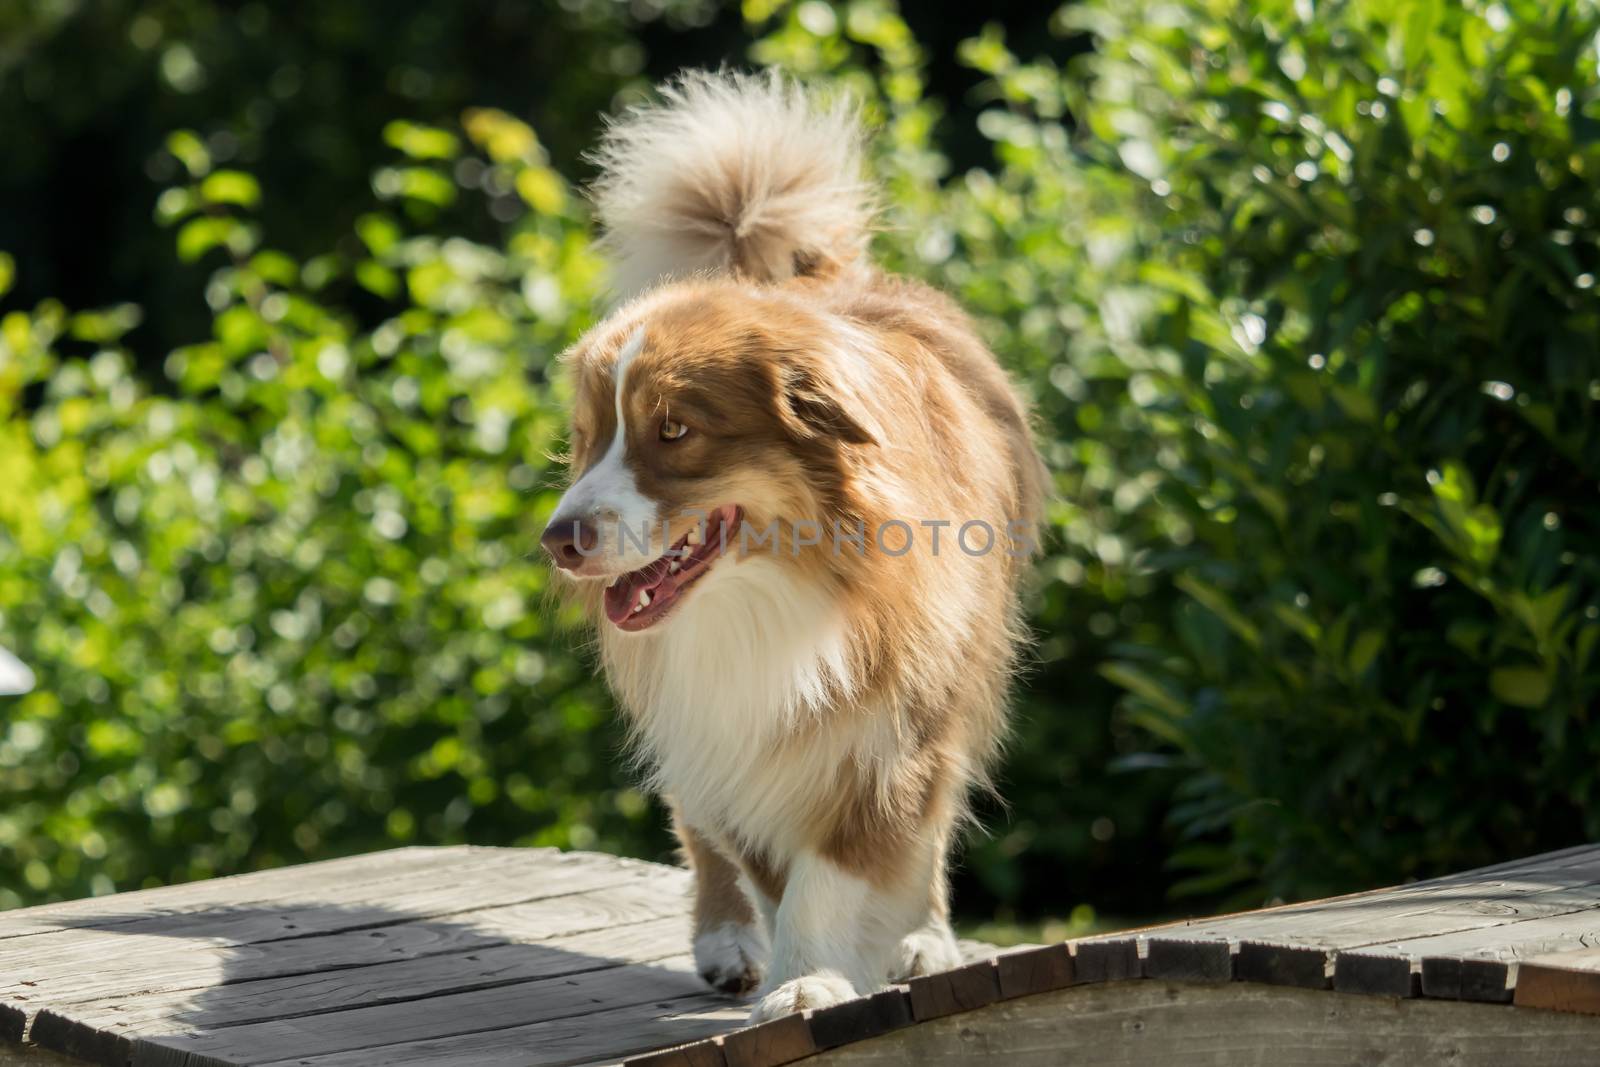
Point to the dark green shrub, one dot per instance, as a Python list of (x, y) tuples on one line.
[(1365, 267), (289, 606)]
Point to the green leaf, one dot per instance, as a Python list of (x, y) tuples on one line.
[(106, 325), (377, 279), (199, 236), (378, 232), (421, 142), (1364, 650), (429, 186), (542, 189), (276, 267), (191, 151), (1136, 680), (1217, 602), (1541, 613), (1583, 647), (231, 187), (1524, 687)]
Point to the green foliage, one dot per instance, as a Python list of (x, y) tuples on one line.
[(288, 606), (1305, 300), (1359, 282)]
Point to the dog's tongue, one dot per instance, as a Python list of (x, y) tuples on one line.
[(660, 582), (623, 597)]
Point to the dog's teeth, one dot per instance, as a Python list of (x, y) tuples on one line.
[(644, 600), (674, 567), (693, 536)]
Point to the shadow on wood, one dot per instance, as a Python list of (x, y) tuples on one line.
[(586, 965)]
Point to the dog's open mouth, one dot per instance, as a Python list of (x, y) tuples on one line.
[(641, 598)]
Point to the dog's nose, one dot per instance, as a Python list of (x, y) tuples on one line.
[(569, 541)]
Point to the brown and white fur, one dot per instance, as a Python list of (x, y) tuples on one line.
[(815, 715)]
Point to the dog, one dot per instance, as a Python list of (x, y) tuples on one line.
[(782, 464)]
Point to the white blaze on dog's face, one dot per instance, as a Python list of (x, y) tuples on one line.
[(606, 497), (703, 410)]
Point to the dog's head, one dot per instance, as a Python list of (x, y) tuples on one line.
[(710, 420)]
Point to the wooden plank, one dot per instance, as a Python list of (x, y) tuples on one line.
[(1290, 965), (859, 1019), (1106, 960), (1457, 978), (1567, 981), (948, 992), (1035, 970), (107, 963), (366, 1028), (484, 878), (280, 964), (13, 1024), (1477, 964), (1375, 974), (1563, 882), (374, 869), (605, 1036), (777, 1041), (1182, 960), (1557, 989), (173, 966), (105, 1032), (1386, 918), (1135, 1024)]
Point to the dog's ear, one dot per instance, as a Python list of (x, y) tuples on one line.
[(813, 409)]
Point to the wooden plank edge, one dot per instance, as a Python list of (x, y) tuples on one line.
[(948, 992), (1271, 963), (1177, 959), (13, 1024), (58, 1033), (1108, 960), (150, 1054), (777, 1041), (1464, 978), (861, 1018), (1540, 985), (1375, 974), (1035, 970)]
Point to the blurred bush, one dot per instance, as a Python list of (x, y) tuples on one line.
[(287, 604), (1357, 345), (1305, 299), (296, 92)]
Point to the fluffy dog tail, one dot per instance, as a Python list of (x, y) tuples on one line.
[(737, 173)]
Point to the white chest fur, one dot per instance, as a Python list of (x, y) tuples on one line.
[(752, 653)]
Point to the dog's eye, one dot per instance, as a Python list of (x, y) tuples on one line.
[(672, 431)]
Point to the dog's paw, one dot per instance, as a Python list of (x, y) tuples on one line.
[(932, 948), (731, 957), (805, 993)]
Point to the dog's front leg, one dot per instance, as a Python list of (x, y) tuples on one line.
[(730, 945), (836, 935), (932, 945)]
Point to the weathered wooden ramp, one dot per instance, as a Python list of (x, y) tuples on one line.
[(422, 955), (472, 956)]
